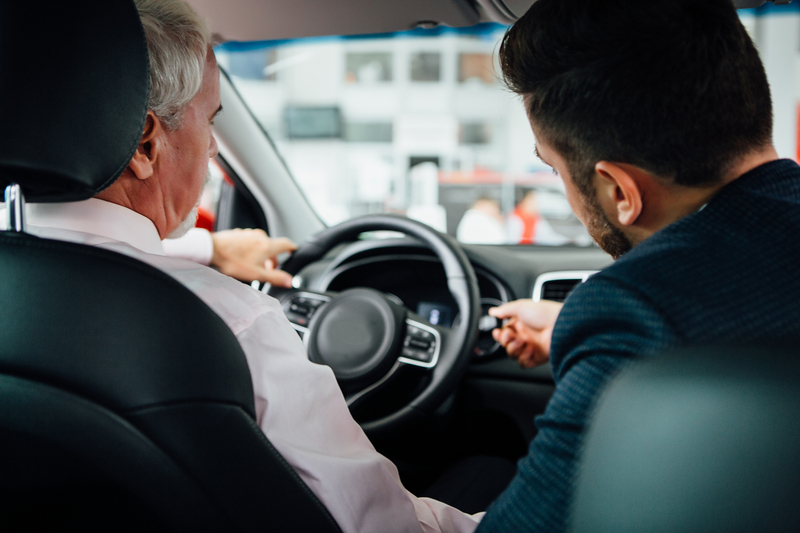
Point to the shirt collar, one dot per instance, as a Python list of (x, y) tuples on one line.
[(98, 217)]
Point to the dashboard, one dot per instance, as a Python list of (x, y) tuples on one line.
[(497, 399), (411, 275)]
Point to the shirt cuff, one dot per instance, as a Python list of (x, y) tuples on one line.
[(196, 246)]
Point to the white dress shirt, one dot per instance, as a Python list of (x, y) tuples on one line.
[(298, 403), (477, 227), (196, 246)]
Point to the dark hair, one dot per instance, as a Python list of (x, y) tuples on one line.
[(675, 87)]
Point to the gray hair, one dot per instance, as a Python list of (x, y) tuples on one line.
[(177, 40)]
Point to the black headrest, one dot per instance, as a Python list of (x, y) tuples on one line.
[(74, 88), (698, 441)]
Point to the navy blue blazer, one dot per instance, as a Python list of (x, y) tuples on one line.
[(725, 274)]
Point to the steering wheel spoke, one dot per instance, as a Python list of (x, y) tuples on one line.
[(392, 365), (421, 345), (300, 306)]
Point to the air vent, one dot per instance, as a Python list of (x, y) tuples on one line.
[(558, 290), (556, 286)]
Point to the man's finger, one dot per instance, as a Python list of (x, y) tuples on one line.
[(507, 335), (278, 278), (525, 358), (281, 245), (514, 348), (508, 310), (248, 272)]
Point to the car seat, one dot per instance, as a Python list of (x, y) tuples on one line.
[(702, 440), (126, 404)]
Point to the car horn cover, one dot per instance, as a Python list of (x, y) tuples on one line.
[(356, 334)]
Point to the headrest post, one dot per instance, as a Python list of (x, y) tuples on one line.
[(15, 208)]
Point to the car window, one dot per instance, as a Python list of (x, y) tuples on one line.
[(416, 122), (420, 123)]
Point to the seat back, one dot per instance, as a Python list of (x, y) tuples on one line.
[(123, 395), (701, 440), (125, 402)]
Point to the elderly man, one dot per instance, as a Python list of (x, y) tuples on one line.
[(298, 404), (657, 116)]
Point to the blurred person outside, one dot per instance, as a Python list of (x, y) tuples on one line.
[(526, 225), (482, 223)]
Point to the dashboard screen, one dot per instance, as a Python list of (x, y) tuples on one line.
[(436, 314)]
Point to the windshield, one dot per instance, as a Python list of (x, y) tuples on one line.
[(416, 122)]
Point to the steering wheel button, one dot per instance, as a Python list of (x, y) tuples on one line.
[(421, 344), (300, 320), (417, 355)]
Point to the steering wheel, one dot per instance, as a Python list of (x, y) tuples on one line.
[(370, 341)]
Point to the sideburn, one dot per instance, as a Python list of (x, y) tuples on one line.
[(605, 234)]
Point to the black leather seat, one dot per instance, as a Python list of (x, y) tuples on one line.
[(702, 440), (125, 402)]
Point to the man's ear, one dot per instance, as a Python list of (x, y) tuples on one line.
[(144, 160), (619, 192)]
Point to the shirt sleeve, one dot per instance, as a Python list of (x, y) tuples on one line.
[(196, 246), (602, 327)]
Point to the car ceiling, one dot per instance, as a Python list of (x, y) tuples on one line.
[(255, 20), (259, 20)]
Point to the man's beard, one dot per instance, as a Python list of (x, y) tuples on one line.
[(191, 219), (185, 225), (606, 235)]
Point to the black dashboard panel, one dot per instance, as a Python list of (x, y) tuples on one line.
[(519, 266), (498, 400), (403, 267)]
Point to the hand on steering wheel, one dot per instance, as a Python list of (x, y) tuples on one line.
[(367, 338)]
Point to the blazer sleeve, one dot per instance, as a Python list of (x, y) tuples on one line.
[(603, 326)]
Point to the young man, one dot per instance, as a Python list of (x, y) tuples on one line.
[(657, 116)]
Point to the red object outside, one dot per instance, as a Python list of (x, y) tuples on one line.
[(528, 225), (797, 155), (205, 219)]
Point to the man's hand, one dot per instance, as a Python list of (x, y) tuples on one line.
[(249, 254), (527, 333)]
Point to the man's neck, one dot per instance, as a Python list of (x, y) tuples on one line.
[(676, 202), (741, 167), (749, 162)]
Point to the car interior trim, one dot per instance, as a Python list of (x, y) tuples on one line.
[(251, 155), (15, 208), (352, 399), (497, 11), (565, 275), (329, 277), (437, 347), (504, 296), (495, 348), (302, 294)]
